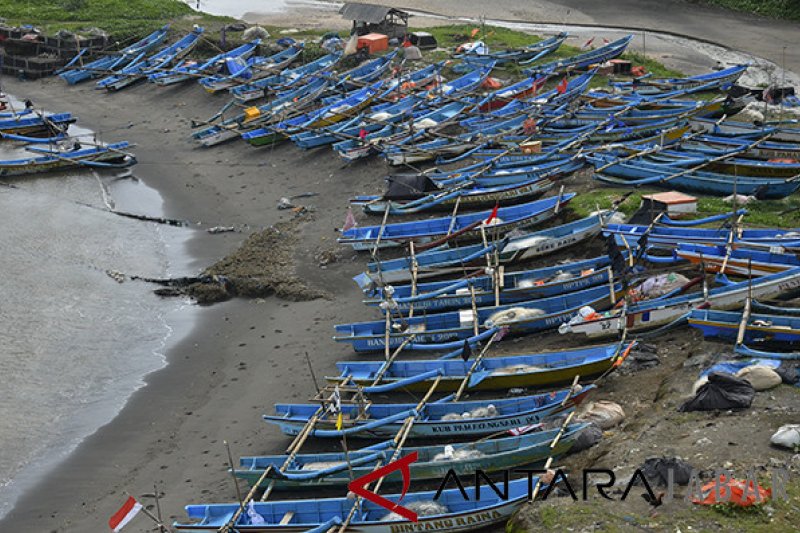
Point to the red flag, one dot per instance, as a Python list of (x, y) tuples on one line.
[(349, 220), (125, 514), (474, 32), (494, 213), (362, 133), (587, 43), (562, 87)]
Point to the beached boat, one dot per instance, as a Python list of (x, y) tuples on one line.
[(463, 512), (139, 70), (532, 52), (188, 70), (467, 225), (661, 236), (440, 419), (719, 80), (76, 71), (758, 329), (312, 471), (446, 330), (592, 57), (447, 260), (109, 156), (285, 80), (241, 71), (739, 261), (491, 373), (37, 124), (662, 311)]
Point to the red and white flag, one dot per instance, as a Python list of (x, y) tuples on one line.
[(562, 87), (125, 514), (349, 220), (587, 43)]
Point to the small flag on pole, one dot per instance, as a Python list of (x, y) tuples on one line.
[(349, 220), (362, 133), (474, 32), (587, 43), (125, 514), (562, 87), (493, 215), (337, 405)]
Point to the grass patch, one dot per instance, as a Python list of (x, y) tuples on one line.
[(780, 9), (495, 37), (658, 70)]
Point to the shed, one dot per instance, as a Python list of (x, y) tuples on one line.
[(372, 18), (672, 203)]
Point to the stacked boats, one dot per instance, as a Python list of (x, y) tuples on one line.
[(458, 257)]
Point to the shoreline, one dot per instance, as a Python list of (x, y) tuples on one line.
[(204, 394)]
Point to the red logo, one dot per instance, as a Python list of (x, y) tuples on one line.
[(358, 486)]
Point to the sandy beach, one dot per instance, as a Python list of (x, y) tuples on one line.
[(246, 354)]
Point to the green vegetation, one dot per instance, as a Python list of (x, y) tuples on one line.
[(769, 213), (780, 9), (124, 20)]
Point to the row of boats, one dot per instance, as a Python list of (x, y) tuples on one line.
[(454, 285)]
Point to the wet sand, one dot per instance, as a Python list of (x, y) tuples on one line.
[(243, 355)]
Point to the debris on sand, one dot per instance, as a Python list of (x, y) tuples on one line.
[(262, 266)]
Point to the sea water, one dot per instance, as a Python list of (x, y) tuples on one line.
[(74, 342)]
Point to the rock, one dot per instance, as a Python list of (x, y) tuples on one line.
[(603, 413)]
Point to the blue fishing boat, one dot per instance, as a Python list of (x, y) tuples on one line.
[(190, 69), (312, 471), (441, 419), (241, 71), (446, 260), (367, 72), (593, 57), (739, 261), (448, 330), (759, 328), (286, 79), (491, 373), (75, 71), (519, 286), (37, 124), (627, 235), (529, 53), (462, 226), (461, 512), (272, 111), (139, 70), (718, 80), (100, 156), (638, 173)]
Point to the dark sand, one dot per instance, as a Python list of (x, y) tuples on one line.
[(245, 355)]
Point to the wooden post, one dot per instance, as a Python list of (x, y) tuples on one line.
[(474, 311), (414, 270), (462, 387)]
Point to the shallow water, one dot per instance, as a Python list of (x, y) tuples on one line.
[(75, 344)]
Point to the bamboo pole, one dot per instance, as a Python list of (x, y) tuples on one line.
[(472, 369)]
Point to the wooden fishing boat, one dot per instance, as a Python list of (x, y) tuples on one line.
[(138, 70), (659, 312), (442, 419), (110, 156), (787, 130), (521, 90), (273, 111), (463, 226), (188, 70), (285, 80), (255, 68), (592, 57), (367, 72), (513, 287), (445, 330), (37, 124), (767, 149), (638, 172), (446, 260), (758, 329), (311, 471), (627, 235), (465, 512), (532, 52), (719, 80), (75, 71), (739, 261), (780, 168), (491, 373)]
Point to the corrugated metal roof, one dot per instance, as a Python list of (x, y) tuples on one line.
[(370, 13)]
